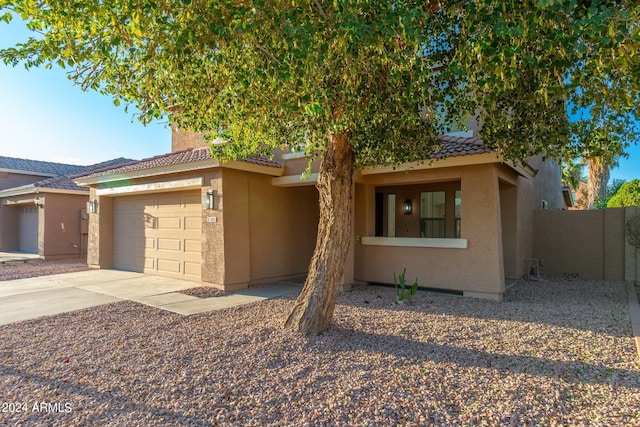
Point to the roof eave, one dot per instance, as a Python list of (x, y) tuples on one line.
[(149, 172), (28, 172), (465, 160)]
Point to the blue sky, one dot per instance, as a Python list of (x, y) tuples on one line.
[(43, 116)]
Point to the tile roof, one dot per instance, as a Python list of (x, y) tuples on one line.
[(179, 157), (37, 166), (453, 146), (65, 182)]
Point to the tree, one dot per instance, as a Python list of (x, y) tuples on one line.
[(627, 195), (612, 189), (358, 82), (601, 141)]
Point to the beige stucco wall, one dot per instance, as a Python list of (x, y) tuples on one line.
[(498, 205), (590, 244), (61, 225), (255, 233), (12, 180), (283, 224), (476, 270), (269, 232)]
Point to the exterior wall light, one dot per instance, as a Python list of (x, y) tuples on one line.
[(407, 207), (38, 202), (210, 200), (92, 206)]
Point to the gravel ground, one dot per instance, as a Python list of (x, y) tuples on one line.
[(204, 292), (554, 352), (21, 270)]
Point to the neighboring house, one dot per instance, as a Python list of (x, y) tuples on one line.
[(46, 215), (462, 223)]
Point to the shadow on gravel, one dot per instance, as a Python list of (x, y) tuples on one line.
[(118, 403), (596, 306), (414, 352)]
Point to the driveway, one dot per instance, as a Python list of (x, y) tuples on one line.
[(48, 295)]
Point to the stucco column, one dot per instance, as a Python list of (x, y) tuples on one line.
[(482, 227), (100, 239)]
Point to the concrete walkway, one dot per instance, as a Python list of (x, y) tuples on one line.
[(14, 256), (48, 295)]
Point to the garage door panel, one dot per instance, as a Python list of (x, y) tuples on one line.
[(162, 235), (192, 268), (169, 223), (145, 203), (169, 265), (192, 246), (126, 205), (165, 244), (193, 199), (193, 223), (170, 202)]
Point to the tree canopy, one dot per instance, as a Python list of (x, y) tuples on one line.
[(359, 82), (263, 73), (627, 195)]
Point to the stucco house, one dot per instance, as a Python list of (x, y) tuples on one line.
[(42, 211), (463, 223)]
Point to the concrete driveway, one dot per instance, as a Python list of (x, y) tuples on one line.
[(48, 295)]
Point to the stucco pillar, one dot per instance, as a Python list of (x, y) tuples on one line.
[(482, 227), (100, 238)]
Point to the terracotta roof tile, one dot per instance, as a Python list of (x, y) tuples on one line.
[(179, 157), (453, 146), (38, 166), (65, 182)]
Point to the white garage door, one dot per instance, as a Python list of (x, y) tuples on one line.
[(158, 234), (28, 229)]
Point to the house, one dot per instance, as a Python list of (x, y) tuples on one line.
[(42, 210), (462, 223)]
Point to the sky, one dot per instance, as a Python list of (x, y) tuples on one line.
[(43, 116)]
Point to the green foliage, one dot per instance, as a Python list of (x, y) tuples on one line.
[(390, 75), (403, 292), (627, 195), (612, 189)]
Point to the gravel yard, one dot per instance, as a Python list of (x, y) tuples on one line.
[(14, 270), (555, 352)]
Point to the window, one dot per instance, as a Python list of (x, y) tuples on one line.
[(436, 210), (432, 214)]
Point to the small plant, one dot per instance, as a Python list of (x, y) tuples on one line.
[(404, 293)]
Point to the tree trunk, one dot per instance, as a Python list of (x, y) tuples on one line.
[(313, 310), (598, 179)]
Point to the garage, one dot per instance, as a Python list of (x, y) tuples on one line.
[(28, 230), (158, 234)]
